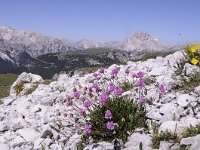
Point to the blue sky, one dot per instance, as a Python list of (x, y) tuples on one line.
[(105, 19)]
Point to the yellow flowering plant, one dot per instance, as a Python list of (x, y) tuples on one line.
[(193, 53)]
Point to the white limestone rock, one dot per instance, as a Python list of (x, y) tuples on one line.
[(136, 139), (4, 126), (38, 143), (154, 114), (190, 69), (28, 134), (168, 98), (100, 146), (171, 126), (73, 140), (185, 99), (170, 112), (166, 146), (28, 80), (4, 146), (189, 121), (157, 71), (8, 100), (17, 141), (193, 141), (197, 90)]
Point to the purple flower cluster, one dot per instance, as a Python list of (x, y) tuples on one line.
[(162, 89), (87, 128), (142, 100), (140, 84), (139, 74), (127, 71), (101, 70), (108, 114), (103, 99), (76, 94), (100, 93), (115, 71), (82, 112), (111, 87), (110, 125), (119, 91), (95, 87), (97, 76), (87, 103)]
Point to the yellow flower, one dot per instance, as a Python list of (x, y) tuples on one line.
[(194, 61), (192, 49), (197, 46)]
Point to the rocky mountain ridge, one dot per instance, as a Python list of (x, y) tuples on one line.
[(13, 41), (35, 44), (31, 120)]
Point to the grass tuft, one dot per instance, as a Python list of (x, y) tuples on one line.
[(164, 136), (31, 90), (191, 131), (189, 84)]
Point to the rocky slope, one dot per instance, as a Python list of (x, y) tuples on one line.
[(6, 64), (31, 120)]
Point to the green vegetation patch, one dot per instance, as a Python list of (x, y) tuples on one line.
[(191, 131), (127, 115), (189, 84), (6, 80), (31, 90), (165, 136)]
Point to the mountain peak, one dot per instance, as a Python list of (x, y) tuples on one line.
[(143, 36), (6, 28), (142, 41)]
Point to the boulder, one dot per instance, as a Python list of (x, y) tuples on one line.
[(136, 140), (24, 82)]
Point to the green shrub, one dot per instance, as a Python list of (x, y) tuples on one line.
[(179, 67), (127, 115), (19, 87)]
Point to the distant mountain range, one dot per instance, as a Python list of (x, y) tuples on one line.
[(138, 41), (23, 50)]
